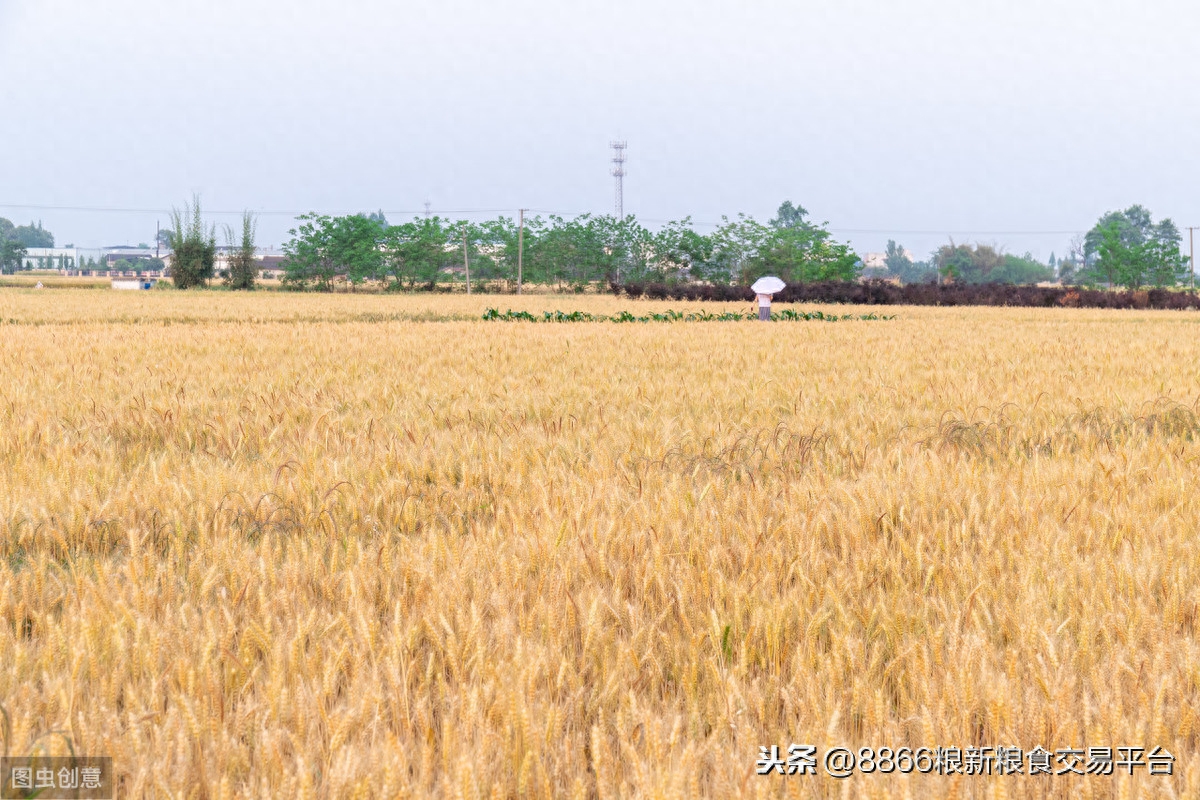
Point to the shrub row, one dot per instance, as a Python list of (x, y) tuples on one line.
[(882, 293), (683, 291)]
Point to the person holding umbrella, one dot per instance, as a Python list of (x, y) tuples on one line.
[(763, 288)]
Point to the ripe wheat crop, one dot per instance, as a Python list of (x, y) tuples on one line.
[(375, 547)]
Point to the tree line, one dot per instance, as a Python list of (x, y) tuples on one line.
[(15, 241), (565, 253), (1124, 249)]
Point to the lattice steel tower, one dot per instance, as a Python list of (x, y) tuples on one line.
[(618, 172)]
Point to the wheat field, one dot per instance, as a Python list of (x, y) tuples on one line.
[(371, 547)]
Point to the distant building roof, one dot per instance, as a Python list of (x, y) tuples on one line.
[(131, 251), (112, 258)]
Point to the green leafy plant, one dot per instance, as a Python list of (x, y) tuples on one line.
[(194, 247), (242, 266)]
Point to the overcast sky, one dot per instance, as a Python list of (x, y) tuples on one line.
[(1006, 121)]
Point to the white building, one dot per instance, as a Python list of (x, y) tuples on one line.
[(51, 258), (879, 260), (134, 283)]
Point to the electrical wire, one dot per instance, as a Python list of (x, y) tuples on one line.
[(423, 212)]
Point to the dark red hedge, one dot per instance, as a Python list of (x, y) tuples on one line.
[(881, 293)]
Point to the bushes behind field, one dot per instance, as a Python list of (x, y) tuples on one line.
[(882, 293)]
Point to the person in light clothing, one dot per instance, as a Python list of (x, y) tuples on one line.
[(763, 288), (764, 307)]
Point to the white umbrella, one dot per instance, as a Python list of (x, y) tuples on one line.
[(768, 285)]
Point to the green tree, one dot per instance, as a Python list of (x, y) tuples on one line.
[(1070, 267), (1023, 269), (1118, 261), (326, 248), (896, 259), (587, 250), (498, 238), (789, 216), (963, 263), (475, 239), (12, 255), (680, 254), (1135, 225), (799, 251), (1166, 265), (619, 249), (900, 265), (415, 253), (139, 265), (738, 246), (194, 246), (32, 235), (806, 254), (567, 251), (1127, 248), (243, 267), (985, 264)]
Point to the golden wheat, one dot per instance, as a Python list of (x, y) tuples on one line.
[(318, 546)]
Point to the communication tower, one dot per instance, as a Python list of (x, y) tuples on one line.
[(618, 172)]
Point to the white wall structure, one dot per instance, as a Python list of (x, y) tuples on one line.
[(879, 260), (59, 258), (133, 284)]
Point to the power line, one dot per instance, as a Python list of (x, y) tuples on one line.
[(898, 231), (619, 197), (260, 212), (955, 233), (709, 224)]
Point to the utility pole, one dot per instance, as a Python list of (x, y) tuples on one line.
[(1192, 252), (426, 209), (618, 172), (466, 258), (520, 248), (158, 238)]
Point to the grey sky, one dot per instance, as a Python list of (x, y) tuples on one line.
[(916, 115)]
